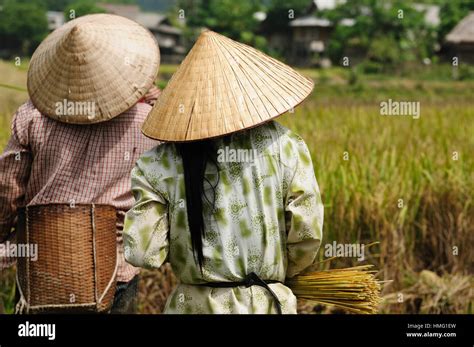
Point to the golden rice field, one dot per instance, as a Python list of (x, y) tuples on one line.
[(407, 183)]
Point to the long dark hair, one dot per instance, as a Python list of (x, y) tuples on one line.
[(196, 156)]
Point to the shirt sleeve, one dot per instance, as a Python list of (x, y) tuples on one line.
[(146, 227), (15, 164), (303, 212)]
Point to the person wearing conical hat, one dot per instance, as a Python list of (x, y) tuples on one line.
[(231, 199), (78, 136)]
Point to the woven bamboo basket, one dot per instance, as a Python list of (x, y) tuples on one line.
[(76, 265)]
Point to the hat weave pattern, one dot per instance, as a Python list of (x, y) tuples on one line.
[(221, 87), (102, 60)]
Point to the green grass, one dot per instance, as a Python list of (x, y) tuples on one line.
[(390, 158), (167, 69)]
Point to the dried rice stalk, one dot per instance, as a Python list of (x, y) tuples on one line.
[(354, 289)]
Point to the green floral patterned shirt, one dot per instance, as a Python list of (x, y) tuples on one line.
[(267, 219)]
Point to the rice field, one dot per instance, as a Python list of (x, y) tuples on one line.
[(405, 182)]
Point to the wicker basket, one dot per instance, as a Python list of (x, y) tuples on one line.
[(77, 255)]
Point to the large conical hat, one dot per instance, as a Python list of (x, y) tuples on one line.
[(92, 69), (221, 87)]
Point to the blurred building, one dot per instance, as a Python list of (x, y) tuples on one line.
[(170, 38), (460, 40), (310, 37), (431, 13), (55, 19), (306, 40)]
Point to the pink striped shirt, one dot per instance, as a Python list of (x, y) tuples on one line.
[(46, 161)]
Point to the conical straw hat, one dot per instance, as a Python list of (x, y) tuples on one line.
[(92, 69), (221, 87)]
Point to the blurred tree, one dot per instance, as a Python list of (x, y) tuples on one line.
[(275, 25), (452, 12), (154, 5), (280, 13), (23, 25), (384, 32), (61, 5), (56, 5), (81, 8), (125, 2), (229, 17)]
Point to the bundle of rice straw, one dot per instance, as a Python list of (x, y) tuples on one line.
[(354, 289)]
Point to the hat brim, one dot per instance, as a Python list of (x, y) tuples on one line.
[(222, 87)]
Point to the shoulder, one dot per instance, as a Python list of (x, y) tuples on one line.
[(159, 167), (275, 131), (135, 114), (139, 111), (274, 139), (285, 134), (26, 113), (142, 109), (161, 160), (23, 120), (264, 138), (292, 147)]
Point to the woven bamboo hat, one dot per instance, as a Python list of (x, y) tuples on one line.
[(92, 69), (221, 87)]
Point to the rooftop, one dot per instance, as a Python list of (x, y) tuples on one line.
[(463, 32)]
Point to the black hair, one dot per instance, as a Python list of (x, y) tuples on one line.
[(196, 155)]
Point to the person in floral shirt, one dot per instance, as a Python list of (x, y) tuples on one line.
[(235, 216)]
